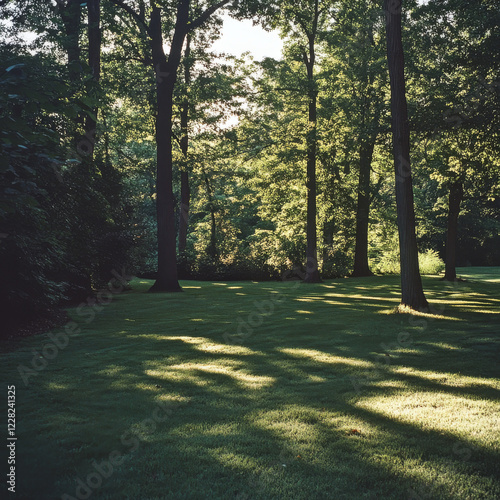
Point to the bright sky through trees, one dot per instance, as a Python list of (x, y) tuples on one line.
[(242, 36)]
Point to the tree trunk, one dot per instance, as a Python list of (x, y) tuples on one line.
[(455, 199), (312, 270), (185, 190), (212, 250), (166, 73), (328, 232), (70, 15), (361, 267), (94, 36), (411, 282)]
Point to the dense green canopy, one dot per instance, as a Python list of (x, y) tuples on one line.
[(98, 98)]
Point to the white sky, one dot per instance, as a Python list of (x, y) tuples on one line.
[(242, 36)]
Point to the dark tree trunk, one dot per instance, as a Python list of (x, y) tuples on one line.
[(94, 36), (212, 250), (166, 73), (328, 232), (185, 190), (361, 267), (455, 199), (83, 254), (312, 270), (70, 15), (411, 282)]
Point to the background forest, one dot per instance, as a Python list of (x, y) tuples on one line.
[(78, 152)]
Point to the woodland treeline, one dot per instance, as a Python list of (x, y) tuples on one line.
[(128, 144)]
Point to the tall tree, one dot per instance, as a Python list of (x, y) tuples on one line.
[(411, 283), (184, 144), (358, 71), (309, 55), (94, 58), (303, 23), (166, 68), (457, 59)]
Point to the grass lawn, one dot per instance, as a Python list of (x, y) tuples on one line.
[(243, 390)]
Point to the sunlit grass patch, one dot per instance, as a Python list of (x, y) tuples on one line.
[(466, 418)]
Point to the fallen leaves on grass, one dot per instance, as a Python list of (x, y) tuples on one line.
[(354, 432)]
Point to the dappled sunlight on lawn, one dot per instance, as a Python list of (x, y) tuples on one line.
[(323, 395), (449, 379), (56, 386), (450, 414), (444, 345), (195, 373), (204, 344), (294, 422), (420, 314), (322, 357)]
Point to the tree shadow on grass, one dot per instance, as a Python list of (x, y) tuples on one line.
[(248, 421)]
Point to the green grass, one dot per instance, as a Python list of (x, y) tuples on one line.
[(314, 401)]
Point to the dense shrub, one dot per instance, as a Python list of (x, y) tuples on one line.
[(388, 263)]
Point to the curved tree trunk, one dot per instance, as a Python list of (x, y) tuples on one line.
[(412, 294), (455, 199), (361, 267)]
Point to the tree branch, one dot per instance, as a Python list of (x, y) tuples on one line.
[(140, 21), (205, 15)]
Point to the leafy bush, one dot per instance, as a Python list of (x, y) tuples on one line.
[(337, 265), (388, 262), (430, 262)]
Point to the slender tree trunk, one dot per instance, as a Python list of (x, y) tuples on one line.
[(361, 267), (328, 231), (94, 36), (411, 282), (185, 189), (212, 251), (455, 199), (166, 73), (312, 270), (70, 15)]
